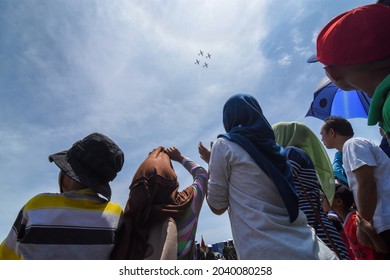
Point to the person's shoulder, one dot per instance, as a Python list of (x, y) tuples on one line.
[(297, 152), (222, 144), (298, 155), (114, 207), (221, 141), (41, 199), (359, 141), (46, 195), (226, 144)]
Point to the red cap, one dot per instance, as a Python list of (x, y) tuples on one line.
[(358, 36)]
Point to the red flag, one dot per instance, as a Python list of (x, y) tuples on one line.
[(203, 245)]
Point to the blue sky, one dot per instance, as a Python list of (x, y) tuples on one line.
[(126, 69)]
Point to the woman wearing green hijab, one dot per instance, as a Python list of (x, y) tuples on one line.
[(296, 138), (299, 135)]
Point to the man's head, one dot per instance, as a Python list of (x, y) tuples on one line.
[(333, 128), (93, 162)]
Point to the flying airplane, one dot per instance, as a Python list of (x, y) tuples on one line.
[(205, 65), (196, 62), (200, 53), (208, 55)]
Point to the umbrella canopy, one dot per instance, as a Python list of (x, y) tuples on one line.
[(329, 100)]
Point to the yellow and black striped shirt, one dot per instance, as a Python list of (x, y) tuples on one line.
[(72, 225)]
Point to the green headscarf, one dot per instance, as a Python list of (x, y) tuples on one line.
[(299, 135)]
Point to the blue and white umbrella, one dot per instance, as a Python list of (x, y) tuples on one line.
[(329, 100)]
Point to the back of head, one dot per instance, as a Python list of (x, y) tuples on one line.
[(242, 111), (293, 134), (152, 200), (157, 163), (339, 124), (246, 125), (154, 182), (345, 195), (154, 194), (93, 162), (358, 36)]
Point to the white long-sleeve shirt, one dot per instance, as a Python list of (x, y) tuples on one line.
[(259, 219)]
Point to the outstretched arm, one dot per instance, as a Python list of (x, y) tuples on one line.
[(205, 155), (204, 152), (218, 192)]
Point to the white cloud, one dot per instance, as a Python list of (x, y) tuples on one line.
[(285, 60)]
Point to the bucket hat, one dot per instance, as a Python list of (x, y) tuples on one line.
[(93, 161)]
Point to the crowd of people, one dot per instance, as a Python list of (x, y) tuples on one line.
[(277, 182), (228, 252)]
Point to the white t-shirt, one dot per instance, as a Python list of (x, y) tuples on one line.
[(358, 152), (259, 219)]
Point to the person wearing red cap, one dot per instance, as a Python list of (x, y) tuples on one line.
[(355, 49)]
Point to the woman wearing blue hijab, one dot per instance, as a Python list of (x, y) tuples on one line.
[(246, 125), (250, 176)]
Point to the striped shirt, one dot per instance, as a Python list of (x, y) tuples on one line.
[(304, 168), (187, 224), (73, 225)]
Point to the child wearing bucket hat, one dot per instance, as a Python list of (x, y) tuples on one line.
[(80, 222), (355, 49)]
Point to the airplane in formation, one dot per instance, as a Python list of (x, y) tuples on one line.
[(197, 61)]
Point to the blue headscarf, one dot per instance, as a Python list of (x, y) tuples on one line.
[(246, 125)]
